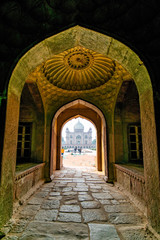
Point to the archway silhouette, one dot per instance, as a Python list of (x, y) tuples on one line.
[(113, 49), (88, 111)]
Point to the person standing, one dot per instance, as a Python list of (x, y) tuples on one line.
[(62, 152)]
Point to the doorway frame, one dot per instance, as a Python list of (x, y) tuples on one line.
[(97, 118)]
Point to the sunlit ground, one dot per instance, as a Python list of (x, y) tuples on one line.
[(86, 159)]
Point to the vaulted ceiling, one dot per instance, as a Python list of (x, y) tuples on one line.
[(79, 73)]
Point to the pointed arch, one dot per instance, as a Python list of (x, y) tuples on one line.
[(88, 111)]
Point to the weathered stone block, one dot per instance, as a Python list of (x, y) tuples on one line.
[(102, 232)]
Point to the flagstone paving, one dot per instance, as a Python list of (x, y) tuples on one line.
[(78, 204)]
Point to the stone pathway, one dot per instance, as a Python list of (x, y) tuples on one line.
[(77, 204)]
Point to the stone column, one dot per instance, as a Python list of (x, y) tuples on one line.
[(111, 149), (47, 150), (99, 146), (9, 158), (150, 156), (3, 103)]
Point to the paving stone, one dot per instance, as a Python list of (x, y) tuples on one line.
[(105, 190), (36, 236), (35, 201), (71, 202), (115, 202), (81, 185), (93, 179), (56, 230), (62, 181), (48, 185), (90, 215), (69, 208), (82, 193), (78, 180), (42, 194), (94, 190), (95, 187), (57, 189), (107, 202), (84, 197), (118, 196), (30, 210), (123, 208), (102, 232), (118, 211), (69, 217), (80, 189), (54, 198), (46, 215), (67, 189), (71, 184), (60, 184), (123, 218), (102, 196), (95, 182), (69, 193), (67, 198), (54, 194), (50, 204), (90, 204)]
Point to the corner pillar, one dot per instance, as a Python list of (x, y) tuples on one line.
[(150, 156), (46, 156)]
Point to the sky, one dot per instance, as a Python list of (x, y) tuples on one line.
[(87, 124)]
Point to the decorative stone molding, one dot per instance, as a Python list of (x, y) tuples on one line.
[(78, 69), (28, 171), (131, 172)]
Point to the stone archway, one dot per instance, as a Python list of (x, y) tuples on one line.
[(88, 111), (113, 49)]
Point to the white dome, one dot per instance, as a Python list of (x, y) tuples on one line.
[(78, 126)]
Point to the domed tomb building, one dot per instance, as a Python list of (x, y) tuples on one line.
[(79, 138)]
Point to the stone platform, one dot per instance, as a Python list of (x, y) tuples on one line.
[(77, 204)]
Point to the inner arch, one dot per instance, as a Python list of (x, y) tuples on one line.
[(89, 112), (77, 137)]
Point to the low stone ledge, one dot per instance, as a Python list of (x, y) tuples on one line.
[(27, 180), (131, 172), (28, 171), (132, 182)]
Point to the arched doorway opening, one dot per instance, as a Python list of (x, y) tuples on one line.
[(78, 143), (87, 111)]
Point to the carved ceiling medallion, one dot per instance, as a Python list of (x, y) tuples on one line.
[(78, 69), (78, 58)]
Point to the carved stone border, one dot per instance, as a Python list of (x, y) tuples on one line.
[(130, 172), (28, 171)]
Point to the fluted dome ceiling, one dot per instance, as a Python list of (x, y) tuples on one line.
[(78, 69)]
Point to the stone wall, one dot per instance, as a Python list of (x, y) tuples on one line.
[(132, 182), (27, 180)]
